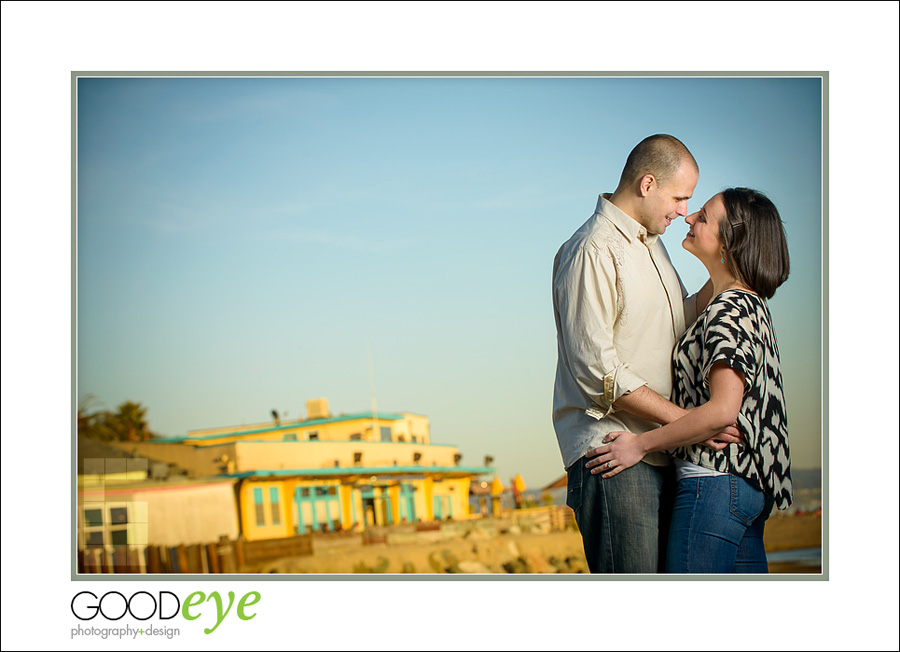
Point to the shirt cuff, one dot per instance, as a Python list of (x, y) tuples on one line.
[(619, 381)]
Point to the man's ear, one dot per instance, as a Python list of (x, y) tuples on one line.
[(647, 182)]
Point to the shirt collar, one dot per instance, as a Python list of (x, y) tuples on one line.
[(629, 226)]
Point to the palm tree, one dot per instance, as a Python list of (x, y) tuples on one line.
[(132, 422), (90, 421), (129, 423)]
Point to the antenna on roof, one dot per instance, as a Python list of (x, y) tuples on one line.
[(375, 431)]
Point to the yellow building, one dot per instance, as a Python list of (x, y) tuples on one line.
[(326, 473)]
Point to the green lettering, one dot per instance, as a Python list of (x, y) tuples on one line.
[(244, 603), (219, 615), (190, 602)]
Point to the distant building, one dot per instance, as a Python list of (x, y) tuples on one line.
[(127, 502), (322, 473)]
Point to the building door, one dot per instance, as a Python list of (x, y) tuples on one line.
[(387, 513), (442, 506), (368, 504), (436, 507), (407, 503)]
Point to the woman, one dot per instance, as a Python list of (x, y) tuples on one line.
[(727, 371)]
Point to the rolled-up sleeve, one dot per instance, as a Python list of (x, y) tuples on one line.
[(586, 296)]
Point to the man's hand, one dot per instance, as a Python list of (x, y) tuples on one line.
[(730, 435)]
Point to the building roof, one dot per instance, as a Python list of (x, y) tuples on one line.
[(560, 483), (338, 471), (157, 485), (92, 449), (290, 425)]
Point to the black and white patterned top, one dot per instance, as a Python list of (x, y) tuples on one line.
[(737, 328)]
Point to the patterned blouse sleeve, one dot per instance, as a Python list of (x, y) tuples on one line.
[(730, 337)]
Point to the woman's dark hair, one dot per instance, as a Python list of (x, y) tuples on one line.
[(753, 236)]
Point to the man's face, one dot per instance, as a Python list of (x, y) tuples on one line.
[(666, 202)]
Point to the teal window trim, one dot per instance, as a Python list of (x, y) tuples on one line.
[(275, 502), (316, 502), (436, 507), (299, 500), (407, 503), (258, 504), (442, 504)]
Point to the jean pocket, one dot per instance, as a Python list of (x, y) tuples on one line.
[(747, 502), (573, 485)]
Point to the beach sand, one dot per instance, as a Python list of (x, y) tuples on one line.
[(795, 532), (507, 552)]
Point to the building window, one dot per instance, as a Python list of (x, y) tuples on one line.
[(260, 508), (385, 433), (276, 505), (314, 436), (356, 436), (118, 516), (291, 437), (415, 439), (316, 509), (106, 525), (93, 518)]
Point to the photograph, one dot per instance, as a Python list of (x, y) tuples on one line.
[(320, 327)]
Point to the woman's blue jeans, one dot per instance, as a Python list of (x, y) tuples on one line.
[(717, 526)]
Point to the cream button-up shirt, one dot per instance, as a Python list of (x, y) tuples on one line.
[(619, 307)]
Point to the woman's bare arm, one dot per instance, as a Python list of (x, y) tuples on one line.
[(698, 425)]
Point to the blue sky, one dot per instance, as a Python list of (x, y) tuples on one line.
[(243, 242)]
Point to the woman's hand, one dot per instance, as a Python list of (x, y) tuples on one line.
[(621, 450), (721, 440)]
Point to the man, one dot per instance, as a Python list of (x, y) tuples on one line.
[(619, 307)]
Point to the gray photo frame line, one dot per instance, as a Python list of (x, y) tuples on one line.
[(103, 577)]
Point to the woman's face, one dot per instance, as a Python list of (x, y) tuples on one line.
[(702, 239)]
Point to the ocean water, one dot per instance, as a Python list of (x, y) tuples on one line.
[(794, 555), (802, 556)]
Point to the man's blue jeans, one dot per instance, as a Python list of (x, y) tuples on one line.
[(717, 526), (623, 520)]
